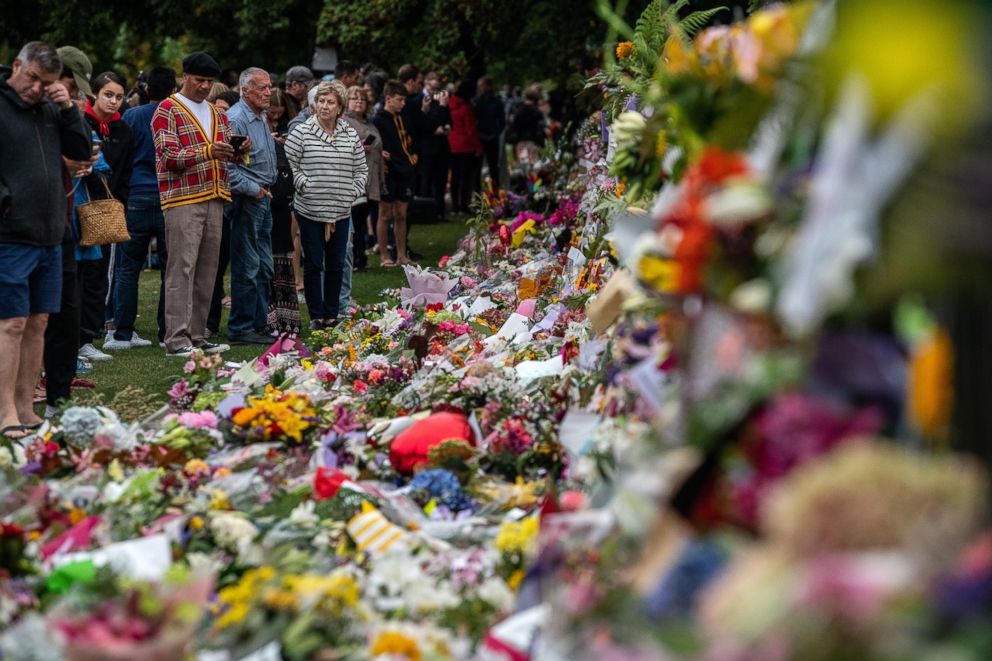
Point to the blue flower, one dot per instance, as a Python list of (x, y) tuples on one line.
[(444, 487)]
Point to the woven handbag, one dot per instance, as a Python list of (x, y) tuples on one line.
[(102, 222)]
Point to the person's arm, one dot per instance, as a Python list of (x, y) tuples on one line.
[(124, 183), (169, 150), (294, 154), (73, 134), (240, 183), (360, 167)]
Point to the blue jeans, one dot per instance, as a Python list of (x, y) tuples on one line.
[(144, 221), (323, 264), (251, 264), (349, 262)]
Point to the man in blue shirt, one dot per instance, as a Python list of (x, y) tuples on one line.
[(249, 212), (144, 219)]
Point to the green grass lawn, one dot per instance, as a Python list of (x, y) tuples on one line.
[(151, 371)]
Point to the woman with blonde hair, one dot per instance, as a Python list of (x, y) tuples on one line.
[(216, 89), (365, 213), (329, 173)]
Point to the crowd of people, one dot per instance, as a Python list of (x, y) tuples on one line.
[(290, 184)]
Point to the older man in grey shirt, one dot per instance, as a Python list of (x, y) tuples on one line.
[(250, 213)]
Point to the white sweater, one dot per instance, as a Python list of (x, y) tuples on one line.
[(329, 172)]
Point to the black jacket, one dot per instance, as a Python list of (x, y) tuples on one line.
[(33, 140), (118, 151), (396, 140), (527, 124), (490, 115)]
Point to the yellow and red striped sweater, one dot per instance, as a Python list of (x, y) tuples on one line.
[(187, 172)]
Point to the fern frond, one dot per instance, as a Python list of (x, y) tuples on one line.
[(698, 20)]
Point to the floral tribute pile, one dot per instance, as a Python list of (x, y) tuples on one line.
[(638, 414)]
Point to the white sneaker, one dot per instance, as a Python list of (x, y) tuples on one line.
[(139, 341), (91, 353), (113, 344)]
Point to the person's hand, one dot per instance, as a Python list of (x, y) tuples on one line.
[(59, 95), (281, 139), (328, 231), (442, 98), (385, 154), (425, 104), (245, 147), (222, 151), (262, 193), (77, 168)]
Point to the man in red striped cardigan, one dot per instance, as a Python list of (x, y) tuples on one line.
[(192, 147)]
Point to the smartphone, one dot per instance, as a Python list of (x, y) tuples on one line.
[(237, 141), (369, 140)]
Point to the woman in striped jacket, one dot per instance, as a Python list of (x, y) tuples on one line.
[(329, 174)]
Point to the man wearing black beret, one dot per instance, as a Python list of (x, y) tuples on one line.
[(192, 147)]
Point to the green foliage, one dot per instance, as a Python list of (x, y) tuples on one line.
[(634, 75), (130, 36)]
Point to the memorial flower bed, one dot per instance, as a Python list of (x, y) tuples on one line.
[(612, 424)]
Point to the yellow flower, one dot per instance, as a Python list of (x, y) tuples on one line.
[(219, 500), (517, 536), (660, 144), (115, 472), (624, 50), (924, 46), (395, 643), (196, 523), (76, 515), (281, 600), (306, 364), (621, 186), (678, 57), (516, 578), (235, 614), (661, 274), (196, 467), (333, 591)]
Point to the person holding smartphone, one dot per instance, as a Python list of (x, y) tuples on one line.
[(192, 148), (365, 212)]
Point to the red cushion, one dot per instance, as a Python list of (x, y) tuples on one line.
[(410, 448)]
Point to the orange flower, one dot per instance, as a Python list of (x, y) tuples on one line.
[(931, 386), (715, 165), (245, 415), (624, 50)]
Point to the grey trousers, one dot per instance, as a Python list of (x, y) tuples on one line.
[(192, 235)]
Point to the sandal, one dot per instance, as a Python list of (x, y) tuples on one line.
[(17, 432), (388, 264), (408, 262)]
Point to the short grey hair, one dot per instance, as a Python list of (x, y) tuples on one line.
[(42, 54), (248, 74)]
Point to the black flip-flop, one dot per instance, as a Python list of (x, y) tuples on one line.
[(16, 432)]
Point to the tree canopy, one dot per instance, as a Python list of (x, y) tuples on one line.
[(516, 42)]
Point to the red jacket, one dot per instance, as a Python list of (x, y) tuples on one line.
[(464, 136)]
